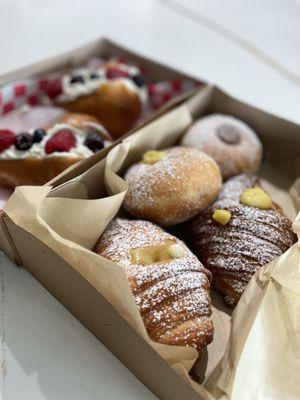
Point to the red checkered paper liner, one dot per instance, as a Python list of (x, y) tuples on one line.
[(32, 91)]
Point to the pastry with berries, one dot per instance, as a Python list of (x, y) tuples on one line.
[(113, 92), (36, 156)]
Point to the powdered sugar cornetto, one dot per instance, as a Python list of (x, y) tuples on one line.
[(173, 189), (252, 238), (172, 296)]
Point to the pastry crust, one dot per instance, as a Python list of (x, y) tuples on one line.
[(32, 170), (173, 189), (172, 296), (230, 142), (252, 238), (113, 103)]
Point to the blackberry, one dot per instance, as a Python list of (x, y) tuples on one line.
[(94, 142), (23, 141)]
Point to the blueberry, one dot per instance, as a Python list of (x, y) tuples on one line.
[(138, 80), (77, 79), (23, 141), (38, 135), (94, 142), (94, 75)]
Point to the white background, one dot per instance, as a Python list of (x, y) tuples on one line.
[(250, 48)]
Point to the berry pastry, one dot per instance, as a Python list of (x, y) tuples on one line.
[(230, 142), (37, 156), (171, 186), (238, 234), (114, 93), (170, 285)]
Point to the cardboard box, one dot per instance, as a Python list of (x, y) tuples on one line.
[(81, 297)]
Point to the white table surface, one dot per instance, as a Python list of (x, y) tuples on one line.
[(250, 48)]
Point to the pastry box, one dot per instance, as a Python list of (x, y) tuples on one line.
[(51, 230)]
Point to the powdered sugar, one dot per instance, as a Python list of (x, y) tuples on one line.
[(242, 154), (173, 189), (168, 294), (251, 239)]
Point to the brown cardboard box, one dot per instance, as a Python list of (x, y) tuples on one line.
[(52, 259)]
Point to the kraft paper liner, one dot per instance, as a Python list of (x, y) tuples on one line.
[(225, 382), (71, 226), (50, 219)]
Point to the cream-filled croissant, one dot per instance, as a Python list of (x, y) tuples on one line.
[(170, 285), (238, 234)]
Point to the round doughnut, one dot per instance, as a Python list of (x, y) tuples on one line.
[(171, 186), (230, 142)]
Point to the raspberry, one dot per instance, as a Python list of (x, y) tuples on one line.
[(54, 88), (113, 73), (7, 138), (62, 140)]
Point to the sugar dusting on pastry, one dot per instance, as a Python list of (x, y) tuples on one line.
[(252, 238), (230, 142), (172, 296), (174, 188)]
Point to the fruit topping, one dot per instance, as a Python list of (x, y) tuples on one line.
[(152, 156), (7, 138), (256, 197), (54, 88), (77, 79), (38, 135), (94, 75), (222, 216), (63, 140), (113, 73), (23, 141), (94, 142), (138, 80)]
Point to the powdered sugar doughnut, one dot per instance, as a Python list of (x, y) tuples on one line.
[(230, 142), (175, 187)]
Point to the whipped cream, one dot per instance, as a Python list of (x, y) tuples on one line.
[(71, 91), (37, 150)]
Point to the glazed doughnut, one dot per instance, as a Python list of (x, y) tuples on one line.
[(230, 142), (171, 186), (113, 93), (238, 234), (169, 284), (37, 156)]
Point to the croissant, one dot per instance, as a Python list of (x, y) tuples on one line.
[(170, 285), (234, 245)]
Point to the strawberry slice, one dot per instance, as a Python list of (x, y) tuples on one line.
[(7, 138), (113, 73), (62, 140)]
